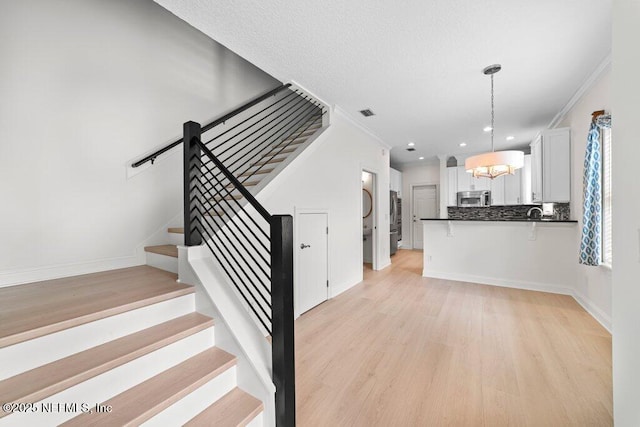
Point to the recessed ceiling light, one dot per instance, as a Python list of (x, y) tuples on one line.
[(367, 112), (463, 144), (411, 144), (511, 138), (487, 129), (420, 158)]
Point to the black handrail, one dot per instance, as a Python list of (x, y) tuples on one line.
[(152, 157)]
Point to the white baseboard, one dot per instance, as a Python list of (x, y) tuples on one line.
[(38, 274), (493, 281), (595, 312), (18, 277), (337, 290), (382, 266)]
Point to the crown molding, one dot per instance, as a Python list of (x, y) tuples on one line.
[(586, 85)]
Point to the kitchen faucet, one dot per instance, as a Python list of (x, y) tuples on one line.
[(535, 208)]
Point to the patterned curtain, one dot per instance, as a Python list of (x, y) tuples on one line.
[(590, 244)]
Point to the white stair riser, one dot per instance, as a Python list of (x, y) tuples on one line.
[(115, 381), (39, 351), (163, 262), (175, 239), (195, 402), (258, 421)]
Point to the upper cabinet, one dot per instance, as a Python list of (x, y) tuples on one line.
[(525, 181), (452, 186), (395, 181), (505, 190), (513, 188), (498, 191), (551, 166), (536, 170), (466, 181)]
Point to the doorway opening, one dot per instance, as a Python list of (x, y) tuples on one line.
[(369, 221), (424, 204)]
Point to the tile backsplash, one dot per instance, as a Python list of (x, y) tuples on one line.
[(561, 212)]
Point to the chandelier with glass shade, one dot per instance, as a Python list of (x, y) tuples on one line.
[(495, 163)]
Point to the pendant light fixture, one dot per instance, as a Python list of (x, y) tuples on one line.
[(496, 163)]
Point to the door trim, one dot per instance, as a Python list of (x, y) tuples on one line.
[(411, 187), (377, 210), (296, 242)]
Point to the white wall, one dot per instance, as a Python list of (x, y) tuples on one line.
[(328, 175), (502, 253), (626, 213), (415, 174), (593, 284), (87, 86)]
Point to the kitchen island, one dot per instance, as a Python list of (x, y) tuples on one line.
[(519, 253)]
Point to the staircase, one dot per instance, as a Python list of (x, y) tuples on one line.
[(127, 347), (123, 347), (261, 170)]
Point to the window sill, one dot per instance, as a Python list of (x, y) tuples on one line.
[(606, 266)]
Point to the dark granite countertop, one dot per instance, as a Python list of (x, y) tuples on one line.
[(502, 220)]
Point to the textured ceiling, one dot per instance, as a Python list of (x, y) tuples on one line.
[(418, 64)]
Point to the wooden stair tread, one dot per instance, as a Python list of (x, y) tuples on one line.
[(277, 152), (168, 250), (235, 408), (176, 230), (228, 197), (246, 184), (46, 380), (258, 172), (268, 162), (301, 135), (37, 309), (289, 143), (150, 397)]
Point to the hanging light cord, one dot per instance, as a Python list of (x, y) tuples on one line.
[(492, 114)]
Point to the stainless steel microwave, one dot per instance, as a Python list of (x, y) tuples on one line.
[(468, 199)]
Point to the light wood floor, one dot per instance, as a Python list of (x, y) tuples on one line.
[(402, 350)]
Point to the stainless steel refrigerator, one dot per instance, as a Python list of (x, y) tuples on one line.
[(394, 221)]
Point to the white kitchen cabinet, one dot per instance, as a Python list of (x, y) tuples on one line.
[(536, 170), (395, 181), (525, 181), (506, 189), (497, 191), (466, 181), (478, 184), (452, 186), (551, 166), (513, 188)]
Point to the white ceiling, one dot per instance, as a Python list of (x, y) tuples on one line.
[(418, 63)]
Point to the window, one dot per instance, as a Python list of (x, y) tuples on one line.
[(606, 197)]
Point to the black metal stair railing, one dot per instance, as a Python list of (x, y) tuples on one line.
[(268, 292), (253, 247)]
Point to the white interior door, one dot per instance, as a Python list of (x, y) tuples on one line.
[(424, 205), (312, 283)]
